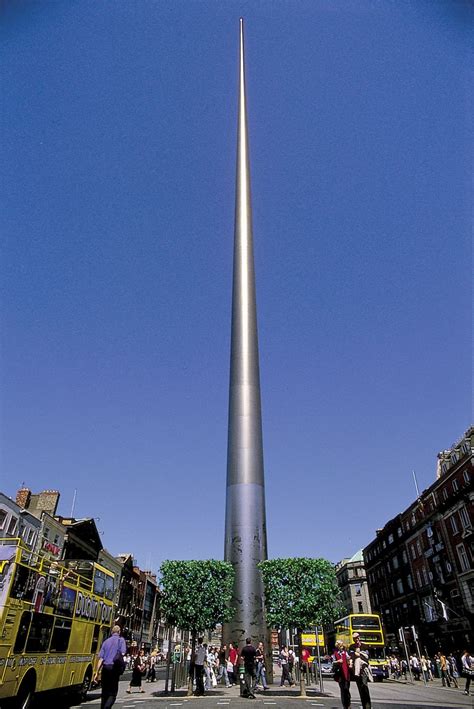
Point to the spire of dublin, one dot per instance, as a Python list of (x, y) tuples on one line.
[(245, 525)]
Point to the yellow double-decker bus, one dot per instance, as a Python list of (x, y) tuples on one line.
[(53, 617), (369, 627)]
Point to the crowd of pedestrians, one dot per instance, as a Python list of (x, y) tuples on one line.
[(211, 665), (448, 668), (352, 664), (216, 664)]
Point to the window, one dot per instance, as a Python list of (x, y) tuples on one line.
[(399, 532), (410, 582), (61, 635), (425, 577), (95, 638), (22, 632), (413, 551), (109, 587), (395, 562), (413, 519), (455, 485), (463, 514), (390, 538), (360, 607), (99, 582), (429, 532), (56, 539), (454, 524), (405, 557), (445, 493), (12, 525), (418, 547), (463, 558), (46, 533), (358, 588), (418, 578), (3, 518), (40, 632), (466, 476), (399, 586)]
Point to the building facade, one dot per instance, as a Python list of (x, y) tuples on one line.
[(15, 522), (420, 566), (352, 580)]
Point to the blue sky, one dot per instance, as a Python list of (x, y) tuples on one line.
[(118, 143)]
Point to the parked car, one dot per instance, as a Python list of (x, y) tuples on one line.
[(326, 666)]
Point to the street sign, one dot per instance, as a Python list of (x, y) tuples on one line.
[(309, 639)]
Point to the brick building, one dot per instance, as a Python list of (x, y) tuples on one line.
[(420, 566)]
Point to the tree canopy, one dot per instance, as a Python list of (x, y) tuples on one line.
[(196, 594), (300, 592)]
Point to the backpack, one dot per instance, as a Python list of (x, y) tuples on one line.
[(118, 662)]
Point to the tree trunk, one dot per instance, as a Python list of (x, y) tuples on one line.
[(191, 667), (302, 678)]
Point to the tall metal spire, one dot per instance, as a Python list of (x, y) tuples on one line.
[(245, 530)]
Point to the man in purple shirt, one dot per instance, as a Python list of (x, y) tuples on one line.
[(110, 673)]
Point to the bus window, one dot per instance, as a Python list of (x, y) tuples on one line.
[(22, 632), (109, 587), (40, 632), (95, 638), (61, 635), (365, 622), (99, 582)]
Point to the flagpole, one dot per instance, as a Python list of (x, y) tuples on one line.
[(416, 485)]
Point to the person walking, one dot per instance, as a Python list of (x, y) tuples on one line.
[(291, 666), (151, 676), (139, 669), (304, 660), (261, 673), (109, 667), (452, 667), (342, 674), (200, 654), (443, 664), (415, 666), (467, 669), (247, 657), (424, 668), (234, 659), (285, 673), (360, 663), (223, 666)]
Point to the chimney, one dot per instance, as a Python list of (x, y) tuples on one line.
[(23, 497)]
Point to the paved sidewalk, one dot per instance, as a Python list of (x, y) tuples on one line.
[(389, 693)]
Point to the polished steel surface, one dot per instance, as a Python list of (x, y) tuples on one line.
[(245, 535)]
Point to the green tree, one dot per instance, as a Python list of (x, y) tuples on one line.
[(197, 595), (300, 593)]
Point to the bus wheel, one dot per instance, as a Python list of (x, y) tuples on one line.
[(86, 685), (24, 698)]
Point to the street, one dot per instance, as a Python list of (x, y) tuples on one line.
[(384, 695)]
